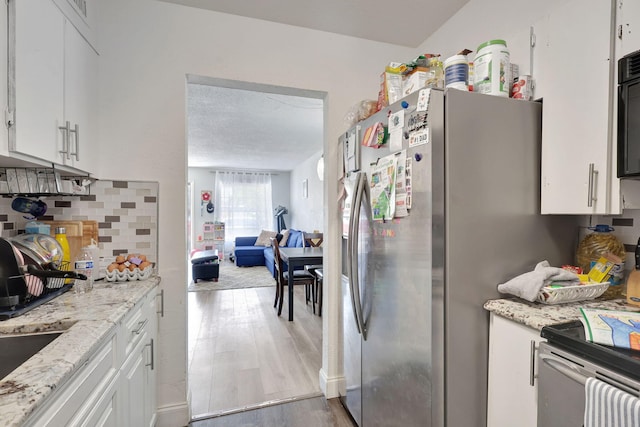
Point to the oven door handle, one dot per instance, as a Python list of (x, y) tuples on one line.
[(570, 371)]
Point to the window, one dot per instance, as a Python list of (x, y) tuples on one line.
[(243, 203)]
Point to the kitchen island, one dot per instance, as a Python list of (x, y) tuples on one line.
[(89, 322)]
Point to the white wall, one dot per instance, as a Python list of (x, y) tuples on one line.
[(204, 179), (146, 49), (281, 194), (482, 20), (307, 214)]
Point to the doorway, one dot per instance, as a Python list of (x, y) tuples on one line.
[(241, 355)]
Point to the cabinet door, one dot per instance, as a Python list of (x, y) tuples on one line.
[(629, 26), (512, 399), (151, 363), (134, 393), (83, 15), (4, 76), (577, 150), (105, 412), (80, 99), (38, 62)]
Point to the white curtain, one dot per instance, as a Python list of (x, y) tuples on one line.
[(243, 203)]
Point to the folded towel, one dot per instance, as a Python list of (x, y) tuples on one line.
[(528, 285), (607, 406)]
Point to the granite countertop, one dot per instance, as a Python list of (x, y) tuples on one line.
[(85, 319), (536, 315)]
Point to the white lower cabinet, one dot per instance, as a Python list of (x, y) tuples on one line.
[(138, 374), (117, 384), (76, 399), (513, 387)]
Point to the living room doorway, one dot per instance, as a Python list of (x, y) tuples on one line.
[(241, 355)]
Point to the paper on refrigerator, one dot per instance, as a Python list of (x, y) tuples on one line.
[(383, 188), (611, 327), (396, 130), (402, 208)]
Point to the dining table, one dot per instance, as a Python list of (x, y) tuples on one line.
[(298, 257)]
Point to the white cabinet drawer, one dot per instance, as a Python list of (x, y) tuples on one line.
[(133, 329), (77, 397)]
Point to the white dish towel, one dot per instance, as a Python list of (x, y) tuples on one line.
[(607, 406)]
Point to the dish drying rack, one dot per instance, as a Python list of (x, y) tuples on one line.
[(36, 292), (42, 182)]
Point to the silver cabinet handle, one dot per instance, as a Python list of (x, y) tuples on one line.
[(532, 363), (65, 140), (76, 132), (141, 325), (161, 294), (593, 178), (152, 363)]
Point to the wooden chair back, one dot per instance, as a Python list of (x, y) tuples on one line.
[(312, 240), (277, 260)]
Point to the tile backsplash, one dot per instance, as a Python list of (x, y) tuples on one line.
[(126, 212)]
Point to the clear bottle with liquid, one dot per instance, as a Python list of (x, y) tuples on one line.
[(83, 264)]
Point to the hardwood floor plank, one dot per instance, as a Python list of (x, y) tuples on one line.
[(241, 354)]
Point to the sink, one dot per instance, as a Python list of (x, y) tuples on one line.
[(17, 349)]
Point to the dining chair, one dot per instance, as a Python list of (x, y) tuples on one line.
[(300, 277), (313, 240)]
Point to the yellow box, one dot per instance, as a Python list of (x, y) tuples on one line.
[(601, 271)]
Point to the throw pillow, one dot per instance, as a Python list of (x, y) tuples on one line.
[(295, 238), (285, 237), (264, 239)]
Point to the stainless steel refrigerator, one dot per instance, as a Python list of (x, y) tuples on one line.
[(415, 281)]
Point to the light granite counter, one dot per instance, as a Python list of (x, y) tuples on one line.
[(86, 320), (537, 315)]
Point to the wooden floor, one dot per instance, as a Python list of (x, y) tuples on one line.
[(241, 354), (314, 412)]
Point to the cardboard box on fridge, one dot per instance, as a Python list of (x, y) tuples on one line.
[(391, 84), (415, 81)]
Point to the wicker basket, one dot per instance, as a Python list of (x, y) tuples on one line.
[(575, 293)]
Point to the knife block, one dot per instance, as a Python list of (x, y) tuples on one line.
[(633, 292)]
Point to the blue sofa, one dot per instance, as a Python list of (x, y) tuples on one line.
[(248, 255)]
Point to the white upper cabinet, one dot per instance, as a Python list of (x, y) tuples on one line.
[(53, 87), (80, 99), (574, 63), (628, 26), (38, 79), (82, 15)]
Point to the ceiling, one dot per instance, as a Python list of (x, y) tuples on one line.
[(231, 128), (401, 22)]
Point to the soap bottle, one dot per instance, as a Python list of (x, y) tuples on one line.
[(61, 238)]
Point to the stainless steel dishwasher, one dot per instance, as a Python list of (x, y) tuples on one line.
[(565, 362)]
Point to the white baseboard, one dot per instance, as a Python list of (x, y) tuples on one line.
[(330, 386), (176, 415)]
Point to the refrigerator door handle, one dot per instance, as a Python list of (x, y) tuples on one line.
[(350, 269), (355, 234), (350, 253)]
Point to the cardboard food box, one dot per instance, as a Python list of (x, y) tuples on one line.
[(605, 268)]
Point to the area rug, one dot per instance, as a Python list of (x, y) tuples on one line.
[(232, 277)]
